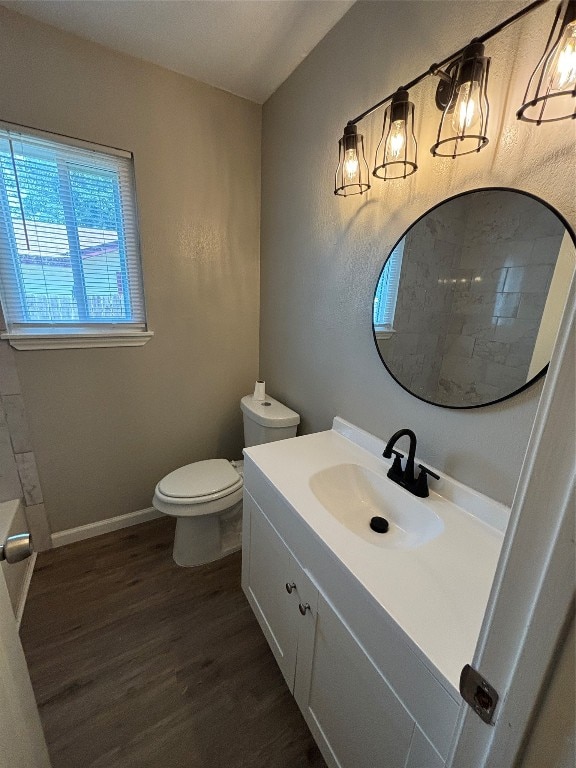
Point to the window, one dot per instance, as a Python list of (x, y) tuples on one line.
[(387, 293), (69, 256)]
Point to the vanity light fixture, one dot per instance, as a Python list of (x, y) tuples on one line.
[(352, 171), (463, 99), (464, 124), (399, 147), (551, 91)]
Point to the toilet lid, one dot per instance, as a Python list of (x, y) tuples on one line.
[(214, 477)]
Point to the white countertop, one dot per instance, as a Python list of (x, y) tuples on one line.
[(437, 592)]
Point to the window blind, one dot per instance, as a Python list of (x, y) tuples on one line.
[(387, 290), (69, 249)]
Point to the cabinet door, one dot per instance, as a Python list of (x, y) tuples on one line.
[(267, 568), (354, 715)]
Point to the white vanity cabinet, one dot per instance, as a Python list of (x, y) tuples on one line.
[(355, 715), (271, 578)]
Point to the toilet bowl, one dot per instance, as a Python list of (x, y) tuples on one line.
[(205, 497)]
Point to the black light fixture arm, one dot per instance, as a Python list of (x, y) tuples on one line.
[(437, 69)]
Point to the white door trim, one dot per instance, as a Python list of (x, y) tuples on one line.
[(22, 743), (533, 591)]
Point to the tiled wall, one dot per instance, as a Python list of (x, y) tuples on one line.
[(472, 292), (424, 303), (499, 289), (18, 473)]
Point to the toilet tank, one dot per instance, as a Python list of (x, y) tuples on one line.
[(267, 421)]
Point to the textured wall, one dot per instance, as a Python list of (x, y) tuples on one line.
[(106, 424), (321, 255), (551, 740)]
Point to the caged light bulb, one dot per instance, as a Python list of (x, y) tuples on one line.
[(396, 141), (467, 111), (350, 177), (563, 68), (351, 164)]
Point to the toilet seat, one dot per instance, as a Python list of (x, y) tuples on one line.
[(205, 487), (200, 482)]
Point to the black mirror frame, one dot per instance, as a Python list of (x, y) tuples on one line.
[(544, 370)]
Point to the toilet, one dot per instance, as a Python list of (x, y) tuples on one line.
[(206, 497)]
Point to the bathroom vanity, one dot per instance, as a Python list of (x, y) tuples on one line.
[(370, 631)]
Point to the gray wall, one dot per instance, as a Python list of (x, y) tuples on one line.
[(107, 424), (321, 255), (551, 737)]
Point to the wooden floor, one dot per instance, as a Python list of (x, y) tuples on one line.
[(136, 662)]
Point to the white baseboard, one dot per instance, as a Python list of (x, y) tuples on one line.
[(25, 587), (69, 536)]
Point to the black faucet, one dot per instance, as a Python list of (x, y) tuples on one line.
[(405, 477)]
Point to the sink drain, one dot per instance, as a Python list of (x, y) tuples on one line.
[(379, 524)]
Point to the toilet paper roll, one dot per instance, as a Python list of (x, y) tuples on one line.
[(259, 393)]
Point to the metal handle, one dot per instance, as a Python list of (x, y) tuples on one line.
[(303, 607), (429, 471), (290, 587), (16, 548)]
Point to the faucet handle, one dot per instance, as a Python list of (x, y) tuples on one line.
[(396, 470), (421, 488)]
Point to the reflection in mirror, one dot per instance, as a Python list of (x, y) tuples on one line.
[(468, 304)]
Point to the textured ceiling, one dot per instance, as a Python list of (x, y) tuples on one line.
[(247, 47)]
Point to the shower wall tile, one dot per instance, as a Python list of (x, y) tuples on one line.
[(470, 305), (28, 472), (488, 278), (519, 353), (545, 249), (479, 327), (510, 329), (529, 279), (463, 371), (495, 351), (506, 304), (39, 527), (458, 344), (18, 471), (506, 376), (17, 423), (10, 487), (531, 306), (515, 253)]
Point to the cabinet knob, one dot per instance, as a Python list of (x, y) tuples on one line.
[(290, 587), (303, 607)]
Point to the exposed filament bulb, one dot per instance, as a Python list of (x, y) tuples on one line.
[(351, 164), (396, 141), (563, 69), (467, 109)]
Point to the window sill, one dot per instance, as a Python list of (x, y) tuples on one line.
[(383, 332), (26, 341)]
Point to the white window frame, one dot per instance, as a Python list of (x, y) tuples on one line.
[(27, 335), (386, 294)]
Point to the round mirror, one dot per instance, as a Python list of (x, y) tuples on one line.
[(469, 301)]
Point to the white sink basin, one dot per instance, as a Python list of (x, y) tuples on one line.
[(354, 495)]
